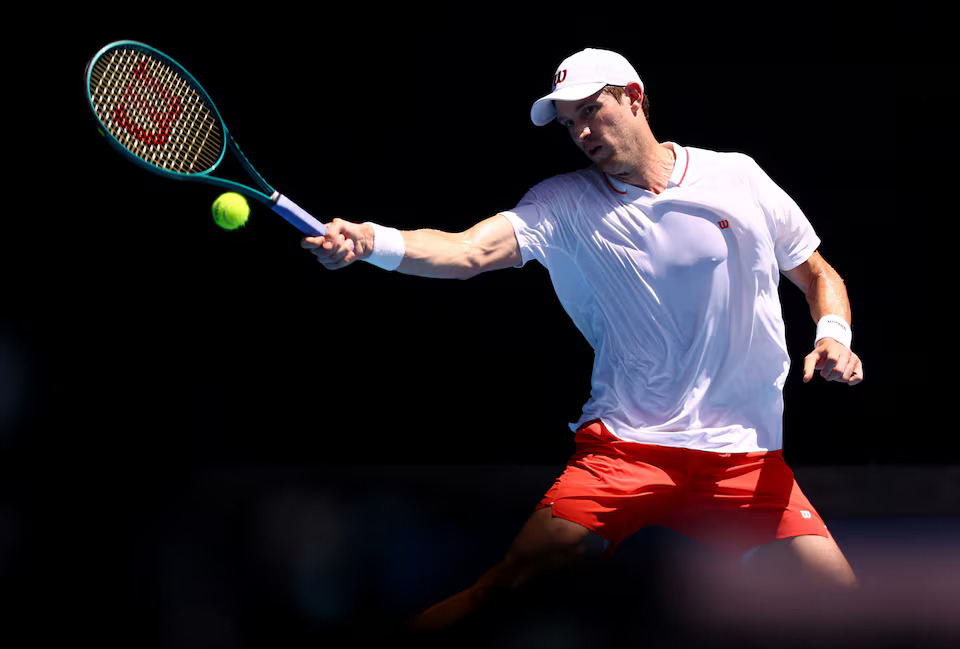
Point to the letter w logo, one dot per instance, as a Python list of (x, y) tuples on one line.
[(724, 224), (559, 77)]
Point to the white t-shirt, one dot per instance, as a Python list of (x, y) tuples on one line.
[(677, 295)]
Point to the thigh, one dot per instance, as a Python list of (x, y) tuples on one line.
[(807, 558), (545, 542), (546, 538)]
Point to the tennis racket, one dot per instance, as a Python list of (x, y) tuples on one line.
[(159, 117)]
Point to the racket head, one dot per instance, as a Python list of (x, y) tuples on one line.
[(156, 114)]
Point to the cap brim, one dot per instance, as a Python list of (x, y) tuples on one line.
[(543, 110)]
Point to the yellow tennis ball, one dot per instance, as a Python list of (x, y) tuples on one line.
[(230, 210)]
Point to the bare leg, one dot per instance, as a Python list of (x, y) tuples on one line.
[(782, 593), (813, 559), (545, 542)]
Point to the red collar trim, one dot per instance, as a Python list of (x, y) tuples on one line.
[(686, 167), (610, 184)]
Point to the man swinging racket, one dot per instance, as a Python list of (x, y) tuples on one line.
[(667, 258)]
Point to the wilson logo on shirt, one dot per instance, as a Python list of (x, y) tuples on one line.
[(724, 224)]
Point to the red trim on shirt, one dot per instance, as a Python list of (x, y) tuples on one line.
[(685, 167), (610, 184)]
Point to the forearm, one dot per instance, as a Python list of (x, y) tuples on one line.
[(432, 253), (489, 245), (830, 309), (827, 294), (425, 253)]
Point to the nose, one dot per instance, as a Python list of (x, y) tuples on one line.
[(584, 133)]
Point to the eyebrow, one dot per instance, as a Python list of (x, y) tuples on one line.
[(576, 109), (584, 103)]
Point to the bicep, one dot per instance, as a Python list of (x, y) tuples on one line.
[(492, 244)]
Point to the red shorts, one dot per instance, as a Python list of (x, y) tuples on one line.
[(730, 501)]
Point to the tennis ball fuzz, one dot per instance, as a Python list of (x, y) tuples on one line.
[(230, 210)]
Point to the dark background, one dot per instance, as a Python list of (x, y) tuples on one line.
[(186, 410)]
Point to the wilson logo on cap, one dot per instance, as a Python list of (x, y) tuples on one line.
[(559, 77)]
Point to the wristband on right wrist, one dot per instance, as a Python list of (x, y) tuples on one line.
[(833, 326), (388, 247)]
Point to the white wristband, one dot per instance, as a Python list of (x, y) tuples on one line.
[(388, 247), (833, 326)]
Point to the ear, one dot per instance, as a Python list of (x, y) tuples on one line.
[(634, 96)]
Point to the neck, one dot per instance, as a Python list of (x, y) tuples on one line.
[(652, 169)]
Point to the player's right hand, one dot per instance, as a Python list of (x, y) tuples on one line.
[(343, 244)]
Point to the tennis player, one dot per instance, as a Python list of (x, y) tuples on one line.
[(668, 260)]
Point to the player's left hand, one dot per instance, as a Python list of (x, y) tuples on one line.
[(835, 361)]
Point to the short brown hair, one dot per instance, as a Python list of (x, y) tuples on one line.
[(618, 92)]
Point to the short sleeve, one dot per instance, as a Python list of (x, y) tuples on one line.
[(534, 224), (794, 237)]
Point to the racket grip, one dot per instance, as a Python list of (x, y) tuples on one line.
[(297, 216)]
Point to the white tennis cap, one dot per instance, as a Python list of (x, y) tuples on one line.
[(581, 75)]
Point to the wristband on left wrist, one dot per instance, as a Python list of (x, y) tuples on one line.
[(833, 326)]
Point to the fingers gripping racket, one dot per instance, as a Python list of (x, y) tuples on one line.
[(158, 116)]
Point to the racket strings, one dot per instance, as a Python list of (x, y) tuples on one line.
[(154, 112)]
